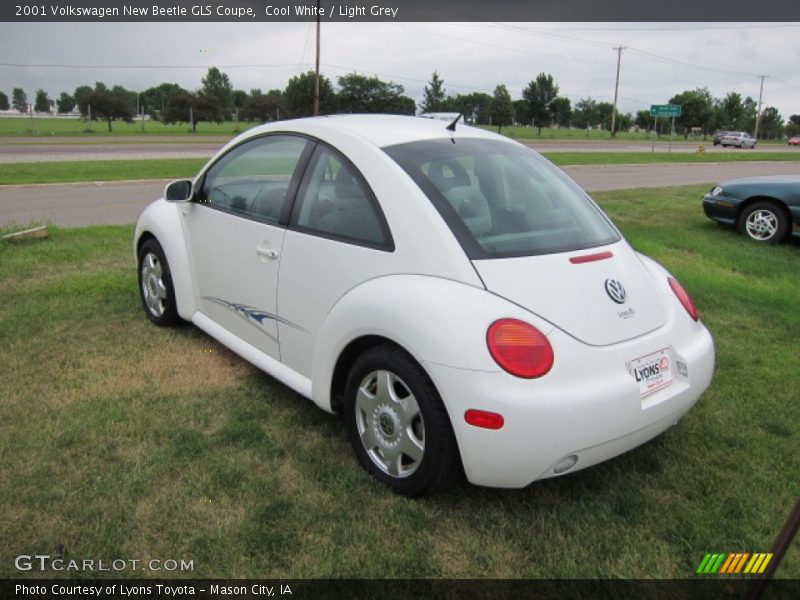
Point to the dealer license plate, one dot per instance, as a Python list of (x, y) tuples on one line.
[(652, 371)]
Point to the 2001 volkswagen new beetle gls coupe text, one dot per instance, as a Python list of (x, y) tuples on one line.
[(463, 302)]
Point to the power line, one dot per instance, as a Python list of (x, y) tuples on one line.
[(499, 46), (672, 61)]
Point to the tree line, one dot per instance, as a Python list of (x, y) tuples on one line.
[(216, 100)]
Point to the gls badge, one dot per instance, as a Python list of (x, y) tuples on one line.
[(615, 291)]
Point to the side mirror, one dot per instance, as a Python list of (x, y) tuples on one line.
[(179, 191)]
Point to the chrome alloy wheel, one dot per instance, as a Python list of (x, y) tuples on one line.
[(390, 423), (761, 224), (154, 291)]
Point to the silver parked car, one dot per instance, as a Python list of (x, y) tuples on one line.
[(740, 139)]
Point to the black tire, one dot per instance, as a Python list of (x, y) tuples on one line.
[(389, 426), (153, 268), (765, 222)]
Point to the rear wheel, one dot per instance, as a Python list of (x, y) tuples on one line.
[(397, 424), (155, 284), (764, 221)]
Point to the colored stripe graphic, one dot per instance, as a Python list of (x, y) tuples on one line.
[(734, 563), (703, 563), (732, 558)]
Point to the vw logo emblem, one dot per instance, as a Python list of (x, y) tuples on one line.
[(615, 291), (387, 426)]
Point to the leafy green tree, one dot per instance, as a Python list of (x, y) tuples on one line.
[(4, 105), (748, 120), (299, 95), (502, 109), (181, 106), (82, 97), (42, 102), (540, 94), (216, 95), (793, 126), (434, 96), (65, 103), (771, 124), (730, 111), (603, 111), (19, 100), (562, 111), (112, 105), (474, 106), (154, 100), (522, 112), (263, 107), (643, 120), (362, 94), (697, 109), (239, 98), (585, 115), (624, 121)]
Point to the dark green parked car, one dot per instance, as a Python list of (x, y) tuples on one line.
[(767, 209)]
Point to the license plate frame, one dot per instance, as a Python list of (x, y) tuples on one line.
[(653, 371)]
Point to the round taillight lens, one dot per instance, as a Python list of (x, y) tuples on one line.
[(519, 348), (684, 298)]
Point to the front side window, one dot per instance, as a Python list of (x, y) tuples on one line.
[(334, 201), (502, 200), (253, 179)]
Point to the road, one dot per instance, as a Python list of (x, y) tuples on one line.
[(53, 151), (77, 204), (15, 150)]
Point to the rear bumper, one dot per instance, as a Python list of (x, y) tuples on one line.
[(588, 406)]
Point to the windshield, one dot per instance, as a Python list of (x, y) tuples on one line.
[(501, 199)]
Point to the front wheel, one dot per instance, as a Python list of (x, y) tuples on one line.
[(397, 423), (764, 222), (155, 284)]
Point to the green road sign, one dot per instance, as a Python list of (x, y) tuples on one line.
[(665, 110)]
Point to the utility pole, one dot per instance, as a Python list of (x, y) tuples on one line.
[(316, 76), (619, 50), (758, 111)]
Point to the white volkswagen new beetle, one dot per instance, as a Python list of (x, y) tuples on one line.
[(462, 301)]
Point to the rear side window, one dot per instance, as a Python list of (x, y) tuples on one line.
[(253, 179), (335, 202), (503, 200)]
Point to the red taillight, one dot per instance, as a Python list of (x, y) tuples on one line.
[(484, 419), (684, 298), (519, 348)]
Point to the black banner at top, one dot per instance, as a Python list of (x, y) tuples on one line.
[(399, 10)]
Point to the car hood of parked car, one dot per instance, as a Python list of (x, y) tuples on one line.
[(762, 179)]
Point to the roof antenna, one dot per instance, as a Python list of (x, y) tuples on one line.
[(452, 126)]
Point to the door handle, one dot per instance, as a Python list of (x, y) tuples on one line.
[(266, 251)]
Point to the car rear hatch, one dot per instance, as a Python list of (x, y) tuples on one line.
[(599, 296)]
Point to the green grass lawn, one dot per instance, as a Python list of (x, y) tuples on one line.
[(174, 168), (99, 170), (122, 440), (46, 127), (578, 135), (641, 158)]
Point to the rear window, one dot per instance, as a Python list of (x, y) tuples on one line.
[(502, 200)]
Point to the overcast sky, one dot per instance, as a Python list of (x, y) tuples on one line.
[(661, 59)]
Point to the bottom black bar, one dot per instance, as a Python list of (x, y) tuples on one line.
[(388, 589)]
